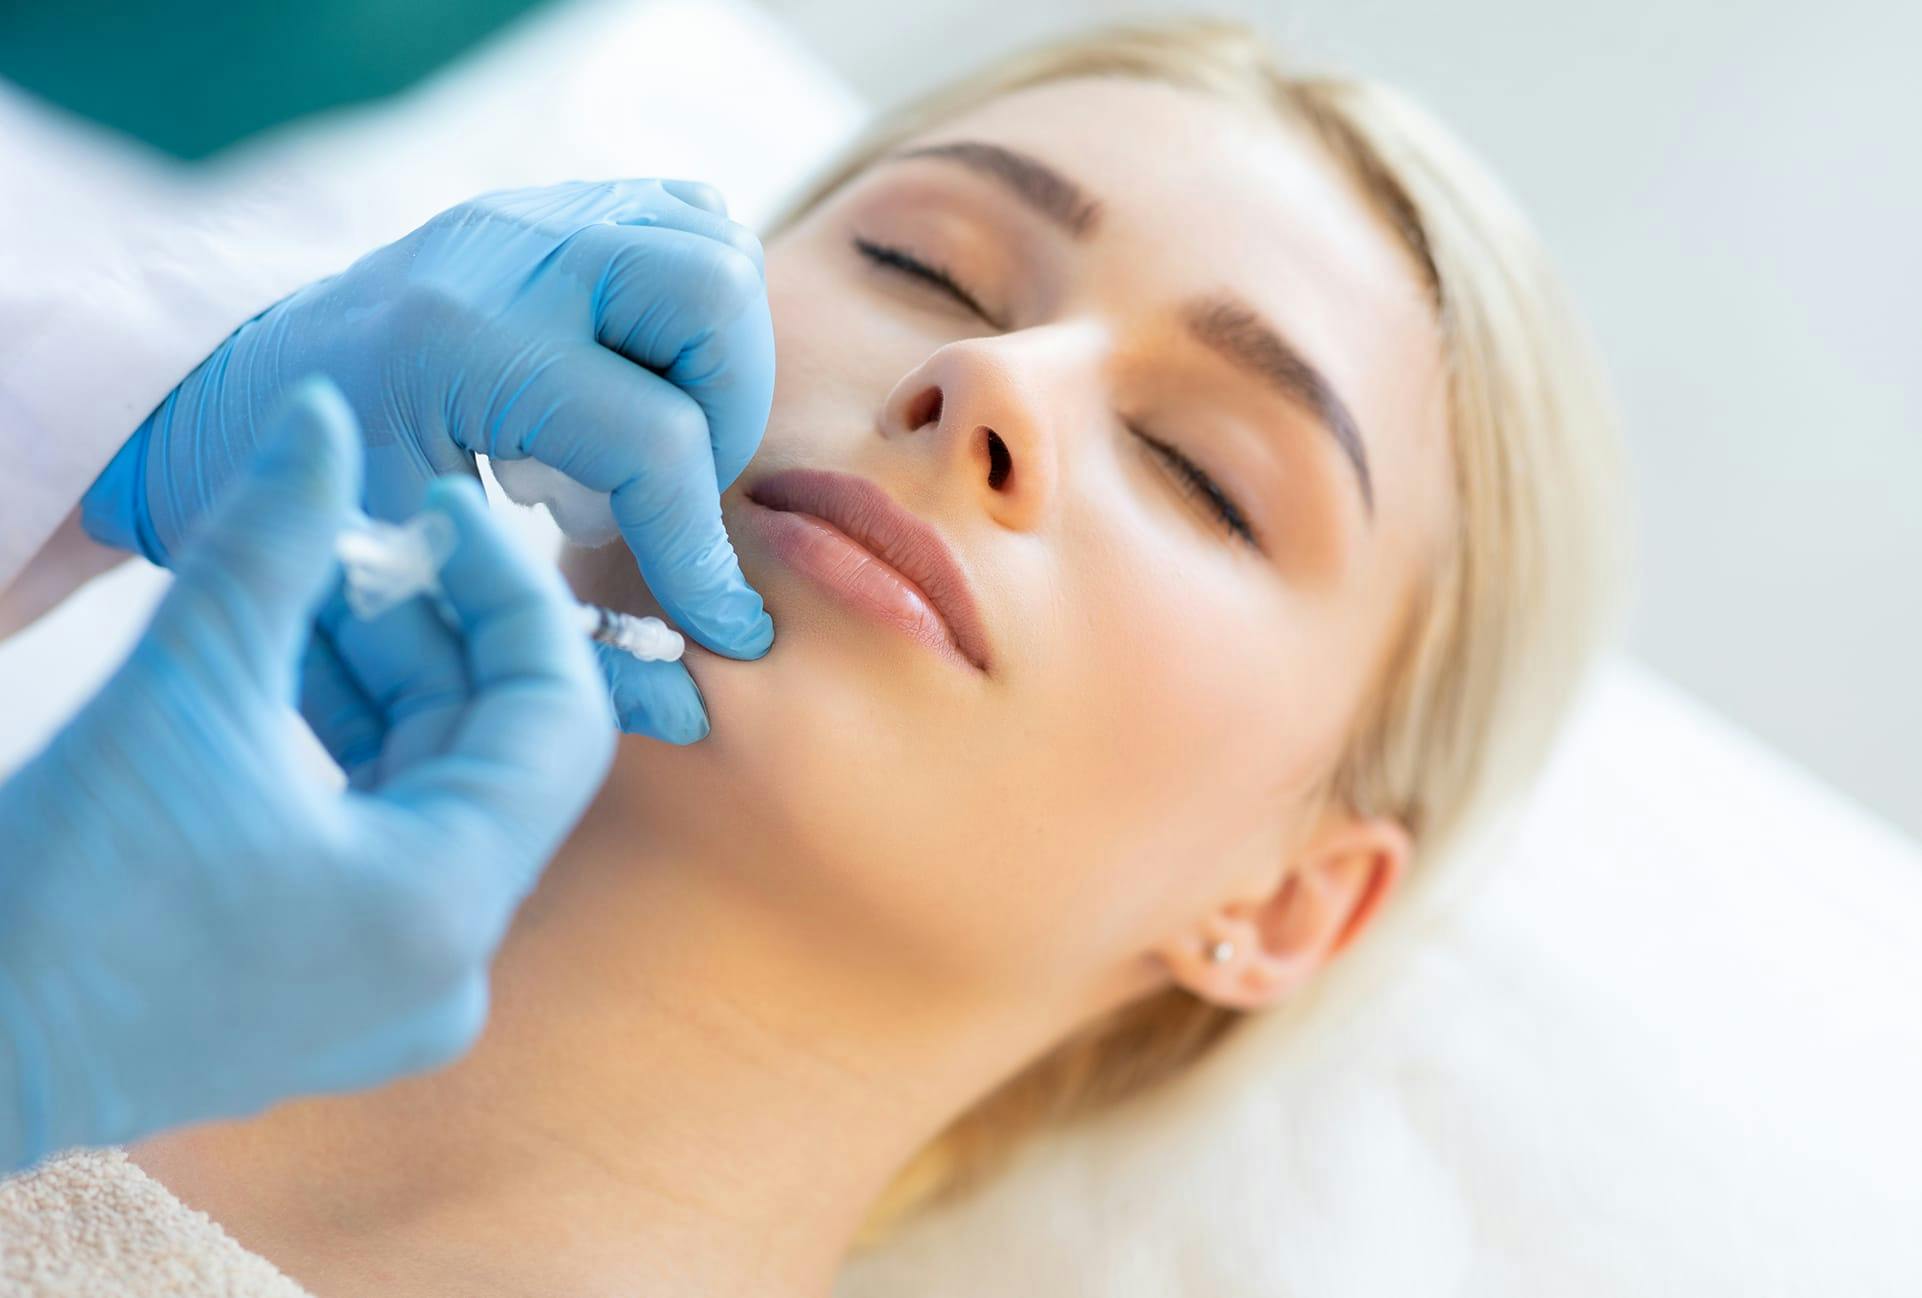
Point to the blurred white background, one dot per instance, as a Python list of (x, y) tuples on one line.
[(1735, 194)]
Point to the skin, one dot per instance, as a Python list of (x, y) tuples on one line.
[(770, 965)]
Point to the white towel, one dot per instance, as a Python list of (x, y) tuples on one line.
[(93, 1225)]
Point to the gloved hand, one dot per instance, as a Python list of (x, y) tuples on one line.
[(192, 923), (617, 332)]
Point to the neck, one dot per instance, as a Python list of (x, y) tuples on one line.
[(676, 1094)]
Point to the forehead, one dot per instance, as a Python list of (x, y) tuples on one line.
[(1197, 193), (1220, 190)]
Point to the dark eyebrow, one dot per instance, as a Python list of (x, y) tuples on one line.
[(1231, 327), (1028, 178), (1223, 322)]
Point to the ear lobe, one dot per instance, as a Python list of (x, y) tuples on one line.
[(1250, 955)]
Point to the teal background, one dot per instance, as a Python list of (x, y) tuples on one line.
[(193, 76)]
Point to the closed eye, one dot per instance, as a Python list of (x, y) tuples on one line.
[(896, 259), (1195, 482)]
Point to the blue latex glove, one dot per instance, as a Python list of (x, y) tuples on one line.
[(193, 923), (617, 332)]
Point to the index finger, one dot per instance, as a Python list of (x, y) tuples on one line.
[(616, 427), (693, 310)]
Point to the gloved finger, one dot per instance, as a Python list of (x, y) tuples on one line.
[(566, 211), (514, 617), (614, 427), (656, 699), (537, 735), (698, 209), (339, 712), (261, 565), (411, 666), (400, 469), (440, 1030), (693, 311), (698, 193)]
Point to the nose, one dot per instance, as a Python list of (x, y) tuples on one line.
[(993, 410)]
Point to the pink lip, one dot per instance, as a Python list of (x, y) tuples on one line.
[(876, 555)]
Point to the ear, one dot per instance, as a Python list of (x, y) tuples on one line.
[(1271, 945)]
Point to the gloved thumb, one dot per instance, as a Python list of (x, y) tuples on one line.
[(259, 568)]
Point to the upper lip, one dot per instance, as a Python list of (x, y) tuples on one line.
[(874, 520)]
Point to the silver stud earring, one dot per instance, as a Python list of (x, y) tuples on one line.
[(1221, 952)]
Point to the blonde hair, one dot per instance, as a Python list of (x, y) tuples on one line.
[(1498, 640)]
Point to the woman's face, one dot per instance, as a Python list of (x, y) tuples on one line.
[(1168, 392)]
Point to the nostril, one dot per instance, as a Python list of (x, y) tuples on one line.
[(925, 409), (1000, 463)]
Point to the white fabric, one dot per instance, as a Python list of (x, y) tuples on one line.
[(1674, 1047), (94, 1225), (107, 296)]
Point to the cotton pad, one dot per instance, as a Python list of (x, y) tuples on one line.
[(585, 516)]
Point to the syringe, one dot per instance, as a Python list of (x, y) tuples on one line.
[(385, 563), (647, 638)]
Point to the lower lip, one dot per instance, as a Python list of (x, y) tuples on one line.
[(855, 575)]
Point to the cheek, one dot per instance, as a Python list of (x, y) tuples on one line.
[(809, 318), (1188, 713), (834, 360), (1202, 662)]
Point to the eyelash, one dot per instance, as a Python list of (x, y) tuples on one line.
[(1190, 478), (1195, 482), (897, 260)]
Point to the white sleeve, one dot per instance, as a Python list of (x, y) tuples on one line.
[(118, 274)]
